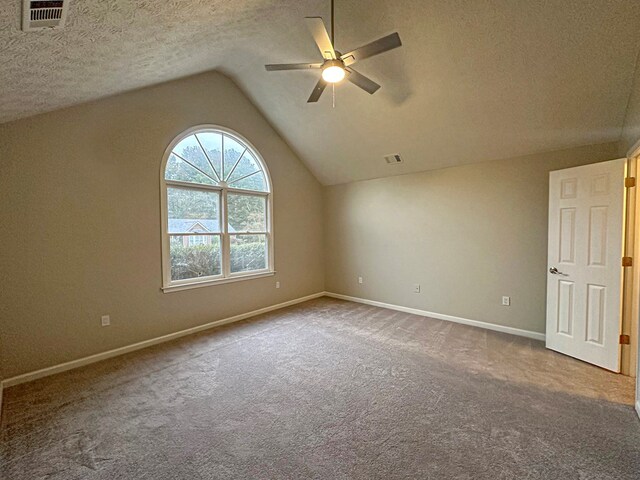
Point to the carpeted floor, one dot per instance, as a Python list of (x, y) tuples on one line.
[(328, 390)]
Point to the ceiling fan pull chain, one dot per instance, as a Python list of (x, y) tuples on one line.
[(333, 87)]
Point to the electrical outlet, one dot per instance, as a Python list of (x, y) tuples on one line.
[(277, 284), (506, 301), (416, 288), (360, 280), (105, 320)]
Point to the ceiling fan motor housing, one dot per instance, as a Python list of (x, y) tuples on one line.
[(333, 63)]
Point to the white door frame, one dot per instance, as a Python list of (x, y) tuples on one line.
[(633, 157)]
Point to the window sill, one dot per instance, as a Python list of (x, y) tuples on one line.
[(220, 281)]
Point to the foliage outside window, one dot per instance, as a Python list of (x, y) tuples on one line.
[(216, 210)]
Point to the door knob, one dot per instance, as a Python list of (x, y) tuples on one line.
[(555, 271)]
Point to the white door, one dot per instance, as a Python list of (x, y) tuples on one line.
[(584, 270)]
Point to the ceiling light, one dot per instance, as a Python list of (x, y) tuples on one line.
[(333, 73)]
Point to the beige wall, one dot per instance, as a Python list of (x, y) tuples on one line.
[(80, 216), (631, 128), (468, 235), (79, 205)]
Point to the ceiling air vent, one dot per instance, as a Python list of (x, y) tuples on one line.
[(395, 158), (43, 14)]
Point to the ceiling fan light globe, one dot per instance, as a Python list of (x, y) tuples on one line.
[(333, 74)]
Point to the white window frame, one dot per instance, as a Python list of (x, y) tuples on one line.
[(226, 276)]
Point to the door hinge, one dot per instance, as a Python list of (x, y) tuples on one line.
[(630, 182), (625, 340), (627, 262)]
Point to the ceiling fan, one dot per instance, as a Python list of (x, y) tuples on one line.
[(337, 66)]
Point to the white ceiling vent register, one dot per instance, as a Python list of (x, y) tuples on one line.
[(43, 14), (394, 158)]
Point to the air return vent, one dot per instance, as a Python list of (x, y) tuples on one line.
[(394, 158), (43, 14)]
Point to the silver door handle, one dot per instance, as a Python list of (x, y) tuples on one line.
[(555, 271)]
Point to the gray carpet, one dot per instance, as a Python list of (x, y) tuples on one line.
[(328, 390)]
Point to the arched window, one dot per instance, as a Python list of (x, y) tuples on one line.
[(216, 210)]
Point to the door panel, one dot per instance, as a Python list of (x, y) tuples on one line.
[(595, 313), (565, 307), (598, 236), (567, 235), (586, 212)]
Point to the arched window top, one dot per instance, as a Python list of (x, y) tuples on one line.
[(217, 157)]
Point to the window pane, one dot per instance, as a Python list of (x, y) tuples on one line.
[(193, 211), (255, 182), (212, 143), (232, 152), (247, 213), (189, 149), (180, 170), (246, 166), (248, 252), (194, 261)]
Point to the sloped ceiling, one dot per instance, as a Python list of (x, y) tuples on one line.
[(475, 80)]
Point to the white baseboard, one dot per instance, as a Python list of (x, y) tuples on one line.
[(440, 316), (27, 377)]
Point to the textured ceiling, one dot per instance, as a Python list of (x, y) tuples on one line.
[(475, 80)]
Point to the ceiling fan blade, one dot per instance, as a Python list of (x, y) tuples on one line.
[(320, 35), (361, 81), (292, 66), (370, 49), (317, 91)]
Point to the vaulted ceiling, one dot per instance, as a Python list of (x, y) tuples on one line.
[(474, 80)]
